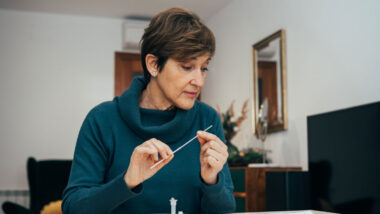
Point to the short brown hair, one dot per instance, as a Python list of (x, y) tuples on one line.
[(176, 33)]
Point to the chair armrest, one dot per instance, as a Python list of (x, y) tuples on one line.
[(13, 208)]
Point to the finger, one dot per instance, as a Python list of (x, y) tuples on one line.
[(221, 157), (151, 145), (168, 150), (162, 148), (218, 146), (201, 140), (148, 144), (207, 135), (164, 162), (167, 160), (145, 150), (211, 152), (212, 162), (206, 146), (204, 137)]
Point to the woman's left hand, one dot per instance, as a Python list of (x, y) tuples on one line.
[(213, 156)]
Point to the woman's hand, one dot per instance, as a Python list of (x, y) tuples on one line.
[(213, 156), (143, 157)]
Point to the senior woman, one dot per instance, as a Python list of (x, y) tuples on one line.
[(121, 140)]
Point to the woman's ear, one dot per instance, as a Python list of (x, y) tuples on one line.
[(151, 64)]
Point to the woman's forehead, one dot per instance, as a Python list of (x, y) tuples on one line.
[(202, 58)]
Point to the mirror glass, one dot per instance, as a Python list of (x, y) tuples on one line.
[(269, 81)]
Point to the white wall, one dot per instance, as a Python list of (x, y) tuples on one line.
[(53, 70), (333, 61)]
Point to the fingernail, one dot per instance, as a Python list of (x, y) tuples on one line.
[(200, 132)]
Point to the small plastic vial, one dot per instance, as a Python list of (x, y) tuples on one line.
[(173, 204)]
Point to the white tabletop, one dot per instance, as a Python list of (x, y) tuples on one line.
[(288, 212)]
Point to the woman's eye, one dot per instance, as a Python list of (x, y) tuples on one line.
[(187, 68), (204, 69)]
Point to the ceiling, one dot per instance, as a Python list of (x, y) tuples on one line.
[(115, 8)]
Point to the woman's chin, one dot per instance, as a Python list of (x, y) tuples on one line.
[(185, 105)]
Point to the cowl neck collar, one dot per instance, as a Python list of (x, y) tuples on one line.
[(169, 132)]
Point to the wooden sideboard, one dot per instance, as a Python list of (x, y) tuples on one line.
[(250, 185)]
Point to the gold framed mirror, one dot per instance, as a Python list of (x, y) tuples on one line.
[(269, 83)]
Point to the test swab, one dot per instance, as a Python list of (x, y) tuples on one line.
[(179, 148)]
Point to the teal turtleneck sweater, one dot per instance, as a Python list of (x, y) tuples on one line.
[(106, 141)]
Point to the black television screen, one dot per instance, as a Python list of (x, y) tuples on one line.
[(344, 160)]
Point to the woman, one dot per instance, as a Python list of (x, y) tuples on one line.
[(121, 140)]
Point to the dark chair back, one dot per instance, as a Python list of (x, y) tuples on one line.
[(47, 180)]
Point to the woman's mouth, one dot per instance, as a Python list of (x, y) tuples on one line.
[(191, 94)]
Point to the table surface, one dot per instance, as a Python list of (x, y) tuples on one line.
[(288, 212)]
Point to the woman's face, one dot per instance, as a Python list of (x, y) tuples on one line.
[(181, 82)]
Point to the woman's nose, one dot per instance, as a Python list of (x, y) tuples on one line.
[(198, 79)]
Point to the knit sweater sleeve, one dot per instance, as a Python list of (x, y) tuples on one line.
[(86, 191), (218, 198)]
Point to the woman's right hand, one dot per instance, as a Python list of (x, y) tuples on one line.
[(143, 157)]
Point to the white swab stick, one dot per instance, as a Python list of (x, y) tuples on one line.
[(179, 148)]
